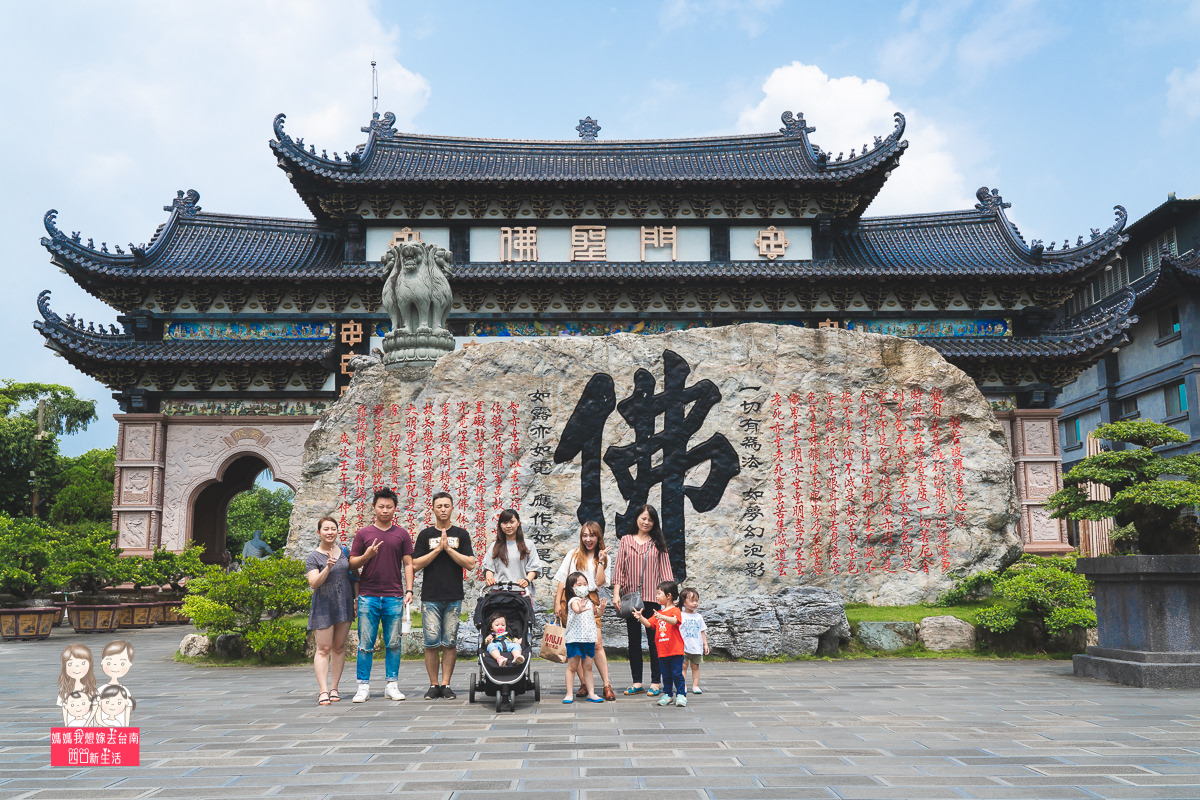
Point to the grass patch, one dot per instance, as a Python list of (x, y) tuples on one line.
[(289, 660), (861, 612)]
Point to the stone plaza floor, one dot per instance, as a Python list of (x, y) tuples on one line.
[(853, 729)]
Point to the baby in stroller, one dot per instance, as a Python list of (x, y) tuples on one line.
[(499, 642)]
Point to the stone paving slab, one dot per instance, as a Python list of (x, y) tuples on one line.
[(865, 730)]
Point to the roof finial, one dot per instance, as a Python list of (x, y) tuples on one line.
[(588, 129), (374, 89)]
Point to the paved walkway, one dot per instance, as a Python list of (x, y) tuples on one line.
[(859, 729)]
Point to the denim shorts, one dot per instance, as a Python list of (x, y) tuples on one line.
[(581, 649), (440, 620)]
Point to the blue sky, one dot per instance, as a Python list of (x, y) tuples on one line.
[(1067, 108)]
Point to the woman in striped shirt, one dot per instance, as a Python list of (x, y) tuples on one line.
[(642, 563)]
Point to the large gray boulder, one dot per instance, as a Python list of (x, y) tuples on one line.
[(878, 635), (947, 633), (788, 456)]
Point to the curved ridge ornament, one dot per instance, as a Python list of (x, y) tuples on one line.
[(990, 201), (48, 220), (381, 127), (794, 126), (277, 125), (185, 204)]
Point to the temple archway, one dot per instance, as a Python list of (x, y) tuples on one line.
[(210, 506)]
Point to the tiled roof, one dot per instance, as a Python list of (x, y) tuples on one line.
[(194, 246), (198, 246), (390, 157), (1077, 338), (80, 345), (977, 242)]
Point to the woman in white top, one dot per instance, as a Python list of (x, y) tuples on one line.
[(510, 559), (590, 558)]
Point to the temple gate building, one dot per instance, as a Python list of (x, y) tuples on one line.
[(235, 331)]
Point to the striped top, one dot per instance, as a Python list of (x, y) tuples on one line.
[(628, 569)]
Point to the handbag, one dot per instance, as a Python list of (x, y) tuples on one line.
[(353, 572), (560, 604), (631, 602), (554, 644)]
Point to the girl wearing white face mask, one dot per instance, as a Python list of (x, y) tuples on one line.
[(590, 558), (581, 637)]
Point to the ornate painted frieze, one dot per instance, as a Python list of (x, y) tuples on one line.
[(238, 331), (575, 328), (932, 327), (234, 407)]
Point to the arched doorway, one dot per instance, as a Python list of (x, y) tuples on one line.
[(212, 504)]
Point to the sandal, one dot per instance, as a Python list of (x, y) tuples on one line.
[(323, 699), (334, 697), (632, 690), (654, 692), (608, 693)]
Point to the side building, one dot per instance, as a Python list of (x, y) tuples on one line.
[(235, 331), (1154, 375)]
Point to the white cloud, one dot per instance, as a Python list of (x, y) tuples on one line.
[(752, 16), (112, 107), (940, 35), (848, 112), (1183, 97)]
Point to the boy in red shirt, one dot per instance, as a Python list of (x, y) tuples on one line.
[(669, 642)]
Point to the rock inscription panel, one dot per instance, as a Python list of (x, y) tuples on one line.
[(777, 456)]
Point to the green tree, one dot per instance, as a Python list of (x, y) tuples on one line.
[(26, 549), (250, 602), (29, 463), (86, 558), (1140, 495), (84, 488), (259, 509)]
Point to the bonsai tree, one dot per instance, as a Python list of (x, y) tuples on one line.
[(171, 568), (1149, 491), (26, 549), (86, 558)]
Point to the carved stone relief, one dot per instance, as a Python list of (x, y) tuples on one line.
[(1039, 438), (139, 443), (1041, 527), (135, 486), (196, 453), (1040, 480), (133, 530)]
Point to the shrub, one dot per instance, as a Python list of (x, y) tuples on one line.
[(1042, 589), (250, 602), (166, 567), (26, 548), (87, 559)]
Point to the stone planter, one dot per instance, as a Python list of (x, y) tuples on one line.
[(1148, 621), (94, 619), (135, 615), (172, 612), (27, 623)]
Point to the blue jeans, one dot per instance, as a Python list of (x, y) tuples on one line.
[(440, 620), (672, 673), (371, 612)]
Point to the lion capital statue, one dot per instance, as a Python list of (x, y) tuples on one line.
[(417, 297)]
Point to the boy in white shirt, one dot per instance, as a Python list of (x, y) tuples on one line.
[(695, 636)]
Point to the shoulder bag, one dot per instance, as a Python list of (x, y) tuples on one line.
[(631, 602)]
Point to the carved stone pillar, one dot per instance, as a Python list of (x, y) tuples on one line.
[(138, 484), (1033, 438)]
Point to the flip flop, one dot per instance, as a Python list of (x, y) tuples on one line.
[(334, 697), (325, 701)]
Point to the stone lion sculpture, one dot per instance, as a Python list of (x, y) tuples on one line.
[(416, 293)]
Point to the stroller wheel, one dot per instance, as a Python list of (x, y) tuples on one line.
[(537, 688), (471, 690), (499, 701)]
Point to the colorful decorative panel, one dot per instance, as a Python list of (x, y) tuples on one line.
[(932, 327), (238, 331)]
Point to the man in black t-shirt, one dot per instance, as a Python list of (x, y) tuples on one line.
[(442, 552)]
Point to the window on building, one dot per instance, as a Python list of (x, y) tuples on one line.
[(1073, 437), (1153, 250), (1176, 397), (1129, 407), (1168, 322)]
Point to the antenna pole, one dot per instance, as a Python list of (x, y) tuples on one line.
[(374, 89)]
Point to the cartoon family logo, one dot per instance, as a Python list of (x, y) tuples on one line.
[(86, 706)]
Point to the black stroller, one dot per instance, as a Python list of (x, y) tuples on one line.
[(504, 682)]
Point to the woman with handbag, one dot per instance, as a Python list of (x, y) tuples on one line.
[(332, 609), (642, 564), (590, 557)]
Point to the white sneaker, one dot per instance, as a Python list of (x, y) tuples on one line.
[(363, 693), (392, 692)]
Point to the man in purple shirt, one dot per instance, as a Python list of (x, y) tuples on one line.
[(382, 552)]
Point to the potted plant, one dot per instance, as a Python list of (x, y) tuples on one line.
[(1148, 619), (26, 612), (139, 611), (173, 570), (87, 559)]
